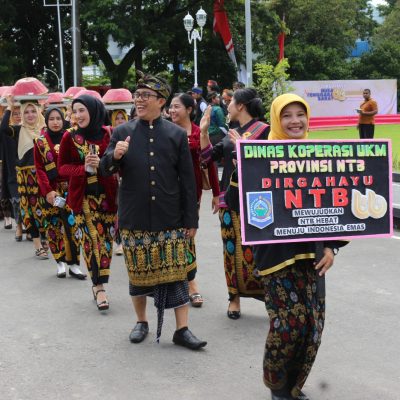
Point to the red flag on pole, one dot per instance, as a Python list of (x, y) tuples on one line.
[(281, 43), (221, 26)]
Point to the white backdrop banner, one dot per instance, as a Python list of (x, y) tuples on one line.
[(336, 98)]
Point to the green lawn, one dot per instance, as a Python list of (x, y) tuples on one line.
[(381, 132)]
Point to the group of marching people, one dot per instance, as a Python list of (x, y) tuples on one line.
[(68, 175)]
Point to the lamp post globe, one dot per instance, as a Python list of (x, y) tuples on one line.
[(201, 17), (188, 22)]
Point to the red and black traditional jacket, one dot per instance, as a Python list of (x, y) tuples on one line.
[(71, 163), (46, 155)]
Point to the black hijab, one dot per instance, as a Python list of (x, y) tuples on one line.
[(55, 136), (98, 117)]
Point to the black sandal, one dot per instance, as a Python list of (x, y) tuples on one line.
[(104, 305)]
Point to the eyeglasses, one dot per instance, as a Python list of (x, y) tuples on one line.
[(144, 95)]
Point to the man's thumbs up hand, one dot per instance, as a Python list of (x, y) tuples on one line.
[(121, 148)]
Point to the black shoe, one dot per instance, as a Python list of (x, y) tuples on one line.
[(283, 395), (80, 276), (302, 396), (18, 238), (139, 332), (276, 397), (233, 314), (187, 339), (9, 226)]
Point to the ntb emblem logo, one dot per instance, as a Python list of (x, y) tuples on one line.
[(260, 212)]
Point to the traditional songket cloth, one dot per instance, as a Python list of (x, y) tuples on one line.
[(59, 222), (296, 312), (31, 202), (238, 258), (157, 203), (92, 197)]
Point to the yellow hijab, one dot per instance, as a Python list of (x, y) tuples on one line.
[(114, 116), (279, 103), (29, 132)]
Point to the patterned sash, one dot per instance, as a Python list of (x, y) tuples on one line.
[(47, 156), (254, 132)]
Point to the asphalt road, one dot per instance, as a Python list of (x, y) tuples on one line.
[(54, 344)]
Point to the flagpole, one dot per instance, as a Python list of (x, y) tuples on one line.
[(249, 50)]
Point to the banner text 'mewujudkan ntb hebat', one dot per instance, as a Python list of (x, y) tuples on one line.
[(314, 190)]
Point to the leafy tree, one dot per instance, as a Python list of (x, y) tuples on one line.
[(28, 40), (390, 29), (321, 34), (383, 62), (141, 25), (271, 81)]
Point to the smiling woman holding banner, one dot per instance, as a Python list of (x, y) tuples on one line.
[(292, 273)]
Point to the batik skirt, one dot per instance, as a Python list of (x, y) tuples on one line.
[(95, 232), (157, 264), (238, 259), (60, 229), (296, 316), (31, 203)]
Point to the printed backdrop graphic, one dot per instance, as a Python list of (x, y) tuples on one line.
[(338, 98), (314, 190)]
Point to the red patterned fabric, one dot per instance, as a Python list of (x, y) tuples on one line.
[(45, 184), (194, 145), (71, 165)]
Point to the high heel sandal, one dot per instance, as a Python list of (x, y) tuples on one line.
[(41, 254), (104, 305), (233, 314)]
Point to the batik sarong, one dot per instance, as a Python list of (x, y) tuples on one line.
[(31, 203), (60, 229), (296, 316), (95, 232), (238, 259)]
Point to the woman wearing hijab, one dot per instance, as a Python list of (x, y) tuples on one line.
[(182, 111), (53, 187), (296, 312), (246, 109), (118, 117), (91, 196), (28, 190)]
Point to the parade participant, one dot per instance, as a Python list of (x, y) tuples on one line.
[(53, 187), (30, 200), (91, 196), (158, 210), (182, 110), (218, 127), (118, 117), (246, 108), (238, 85), (201, 104), (366, 116), (227, 95), (289, 271), (9, 199)]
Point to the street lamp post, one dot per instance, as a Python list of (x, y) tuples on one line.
[(60, 38), (59, 82), (194, 34)]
